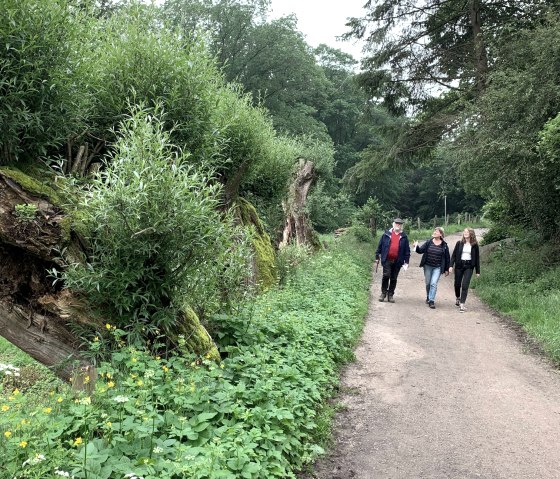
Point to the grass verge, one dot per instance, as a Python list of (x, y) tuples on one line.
[(521, 280)]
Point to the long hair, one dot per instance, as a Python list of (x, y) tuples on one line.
[(472, 237)]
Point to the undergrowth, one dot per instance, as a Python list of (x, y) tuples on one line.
[(522, 280), (260, 413)]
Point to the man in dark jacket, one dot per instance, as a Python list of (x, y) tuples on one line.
[(394, 251)]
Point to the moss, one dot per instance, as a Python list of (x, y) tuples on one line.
[(30, 184), (265, 257), (265, 260), (197, 338)]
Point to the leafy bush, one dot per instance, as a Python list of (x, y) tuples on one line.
[(158, 240), (362, 233), (40, 105), (136, 60), (289, 258)]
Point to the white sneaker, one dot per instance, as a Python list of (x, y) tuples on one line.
[(462, 308)]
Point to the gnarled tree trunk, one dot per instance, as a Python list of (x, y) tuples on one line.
[(296, 226), (29, 248)]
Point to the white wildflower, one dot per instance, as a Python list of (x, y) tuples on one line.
[(120, 399), (61, 473)]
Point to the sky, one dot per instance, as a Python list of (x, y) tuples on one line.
[(321, 21)]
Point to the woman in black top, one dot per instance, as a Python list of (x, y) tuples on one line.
[(435, 261), (465, 258)]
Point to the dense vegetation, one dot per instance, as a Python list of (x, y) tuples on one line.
[(170, 135), (259, 413)]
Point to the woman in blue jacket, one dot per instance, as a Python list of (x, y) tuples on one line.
[(435, 261)]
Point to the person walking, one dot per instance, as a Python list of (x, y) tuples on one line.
[(394, 251), (435, 261), (465, 259)]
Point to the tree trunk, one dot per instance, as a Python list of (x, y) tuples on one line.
[(296, 226), (481, 59), (29, 248)]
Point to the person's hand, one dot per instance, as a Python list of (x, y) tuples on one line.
[(446, 273), (415, 244), (451, 269), (478, 275)]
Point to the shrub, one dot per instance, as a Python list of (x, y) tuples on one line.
[(158, 240), (40, 104)]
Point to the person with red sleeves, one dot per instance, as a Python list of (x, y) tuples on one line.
[(393, 251)]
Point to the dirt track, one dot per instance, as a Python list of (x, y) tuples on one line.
[(442, 394)]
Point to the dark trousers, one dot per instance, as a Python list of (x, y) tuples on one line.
[(463, 275), (389, 280)]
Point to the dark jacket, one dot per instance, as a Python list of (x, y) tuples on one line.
[(475, 256), (383, 248), (445, 259)]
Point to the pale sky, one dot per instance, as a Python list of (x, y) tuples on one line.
[(321, 21)]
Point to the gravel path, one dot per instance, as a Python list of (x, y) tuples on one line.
[(439, 394)]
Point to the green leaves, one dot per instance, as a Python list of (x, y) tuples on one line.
[(158, 239)]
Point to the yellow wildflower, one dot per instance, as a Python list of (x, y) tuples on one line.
[(8, 434), (47, 410), (140, 382), (23, 444), (110, 384), (134, 360), (108, 326), (16, 392), (5, 408), (78, 441), (59, 399)]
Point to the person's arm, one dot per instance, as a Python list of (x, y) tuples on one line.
[(447, 260), (453, 256), (477, 259), (421, 249), (406, 251), (379, 247)]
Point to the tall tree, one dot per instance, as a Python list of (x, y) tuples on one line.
[(434, 56)]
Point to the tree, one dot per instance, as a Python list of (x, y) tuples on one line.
[(433, 58), (500, 145), (270, 59)]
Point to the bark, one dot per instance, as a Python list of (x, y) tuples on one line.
[(296, 226), (481, 59)]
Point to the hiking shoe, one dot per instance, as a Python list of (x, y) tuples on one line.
[(457, 301), (432, 305), (390, 298), (462, 308), (382, 297)]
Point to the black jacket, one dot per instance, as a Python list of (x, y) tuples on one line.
[(475, 256), (423, 250)]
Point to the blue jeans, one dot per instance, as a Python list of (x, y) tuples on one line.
[(431, 277)]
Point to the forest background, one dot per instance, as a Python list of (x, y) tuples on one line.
[(113, 114)]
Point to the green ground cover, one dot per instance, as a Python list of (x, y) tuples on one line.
[(260, 413), (522, 280)]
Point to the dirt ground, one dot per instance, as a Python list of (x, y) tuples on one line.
[(441, 394)]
